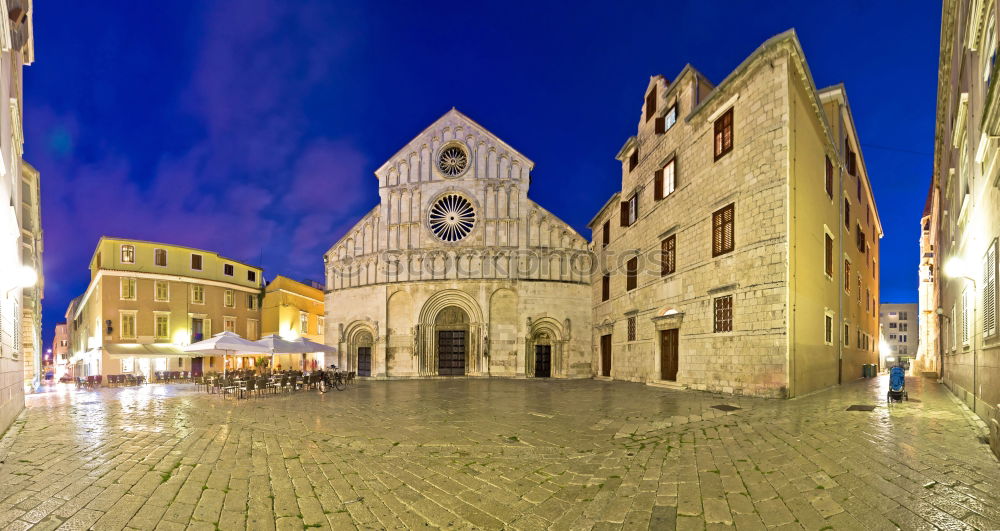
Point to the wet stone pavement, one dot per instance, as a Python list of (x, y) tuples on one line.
[(496, 454)]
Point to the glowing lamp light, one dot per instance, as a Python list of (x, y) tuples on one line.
[(20, 277), (955, 267)]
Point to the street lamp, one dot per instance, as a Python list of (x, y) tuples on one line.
[(19, 277), (956, 267)]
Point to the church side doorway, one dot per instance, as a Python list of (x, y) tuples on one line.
[(452, 330), (543, 361), (364, 354)]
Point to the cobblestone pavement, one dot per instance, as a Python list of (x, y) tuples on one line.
[(495, 454)]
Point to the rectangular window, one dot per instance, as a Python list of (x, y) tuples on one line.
[(723, 227), (851, 159), (859, 239), (127, 289), (160, 257), (229, 324), (668, 255), (198, 294), (723, 309), (304, 323), (902, 316), (252, 276), (828, 328), (630, 210), (847, 213), (990, 290), (196, 262), (606, 234), (847, 276), (630, 322), (631, 270), (902, 338), (228, 270), (893, 325), (127, 330), (128, 254), (828, 254), (859, 290), (633, 159), (723, 134), (847, 335), (829, 178), (664, 180), (252, 301), (902, 327), (162, 291), (230, 299), (651, 103), (161, 325), (605, 287), (665, 122)]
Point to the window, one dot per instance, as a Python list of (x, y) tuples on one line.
[(902, 338), (847, 276), (859, 290), (902, 327), (668, 255), (828, 328), (990, 290), (161, 290), (664, 180), (867, 300), (630, 323), (722, 229), (229, 324), (230, 299), (651, 103), (859, 239), (630, 210), (902, 316), (128, 254), (161, 325), (320, 325), (989, 51), (127, 329), (251, 301), (847, 335), (847, 213), (723, 134), (631, 270), (633, 159), (966, 322), (606, 234), (829, 178), (892, 337), (665, 122), (127, 289), (160, 257), (304, 322), (252, 276), (227, 269), (893, 325), (198, 294), (723, 309), (606, 287), (828, 254), (851, 158), (196, 262)]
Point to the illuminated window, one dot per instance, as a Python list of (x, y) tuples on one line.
[(304, 322), (724, 134), (664, 180), (127, 328), (162, 325), (230, 299), (161, 291), (128, 254), (198, 294), (128, 289)]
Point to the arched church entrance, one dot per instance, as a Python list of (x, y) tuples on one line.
[(451, 327), (364, 354)]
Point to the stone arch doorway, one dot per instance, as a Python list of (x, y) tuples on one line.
[(451, 327), (457, 311), (363, 353), (545, 345)]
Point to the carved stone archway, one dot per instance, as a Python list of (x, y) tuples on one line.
[(359, 334), (546, 331), (456, 302)]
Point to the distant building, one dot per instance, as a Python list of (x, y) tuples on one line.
[(292, 310), (741, 254), (928, 359), (61, 352), (146, 300), (900, 325), (20, 230), (966, 177)]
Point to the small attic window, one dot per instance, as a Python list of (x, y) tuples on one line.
[(665, 122), (633, 159), (651, 103)]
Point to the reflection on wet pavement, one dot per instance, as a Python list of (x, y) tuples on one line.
[(523, 454)]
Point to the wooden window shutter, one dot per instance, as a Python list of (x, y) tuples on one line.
[(651, 103), (631, 270), (606, 236), (989, 291), (829, 255), (829, 178), (633, 159), (624, 219), (606, 287), (723, 227), (658, 184), (847, 213), (660, 125)]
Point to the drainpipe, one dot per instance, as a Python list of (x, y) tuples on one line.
[(840, 248)]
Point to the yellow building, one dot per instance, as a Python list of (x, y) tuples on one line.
[(146, 300), (292, 310)]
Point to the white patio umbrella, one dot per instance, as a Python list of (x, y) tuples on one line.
[(312, 346), (276, 345), (225, 343)]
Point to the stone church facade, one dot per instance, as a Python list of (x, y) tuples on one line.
[(456, 271)]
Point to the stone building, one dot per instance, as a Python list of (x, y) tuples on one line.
[(60, 352), (146, 300), (741, 254), (19, 241), (966, 181), (928, 360), (292, 310), (456, 271), (901, 328)]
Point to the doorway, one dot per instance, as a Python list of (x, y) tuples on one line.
[(668, 355), (196, 367), (543, 361), (451, 352), (364, 361), (606, 355), (197, 329)]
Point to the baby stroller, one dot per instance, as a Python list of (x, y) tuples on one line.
[(897, 386)]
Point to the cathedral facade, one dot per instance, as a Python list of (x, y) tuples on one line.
[(456, 271)]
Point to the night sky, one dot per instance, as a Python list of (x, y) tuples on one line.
[(252, 127)]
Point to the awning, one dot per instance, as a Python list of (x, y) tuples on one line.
[(140, 350)]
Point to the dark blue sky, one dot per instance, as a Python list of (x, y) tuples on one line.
[(252, 127)]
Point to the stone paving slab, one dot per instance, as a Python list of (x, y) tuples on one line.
[(496, 454)]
